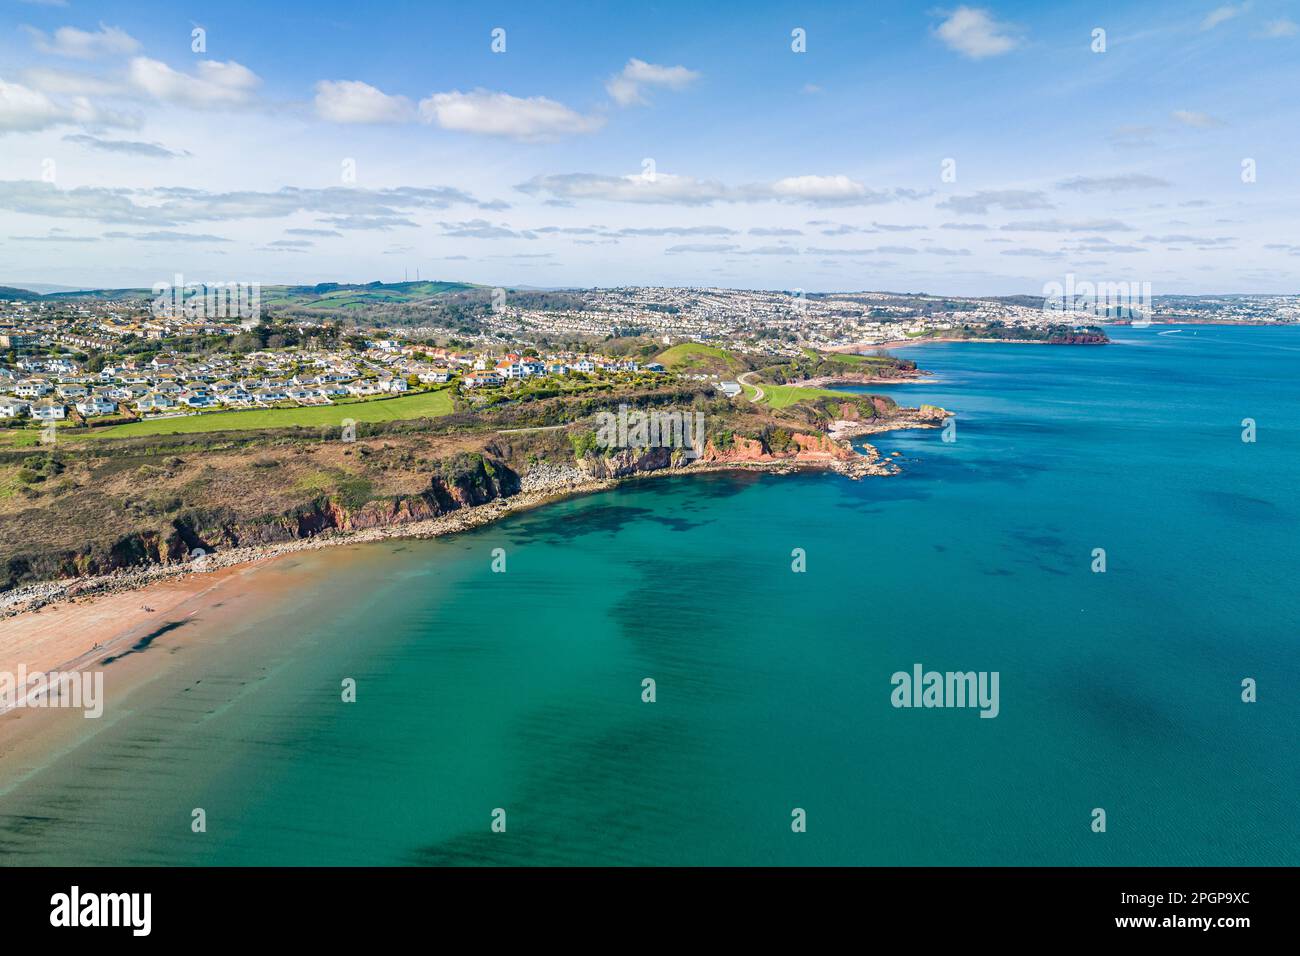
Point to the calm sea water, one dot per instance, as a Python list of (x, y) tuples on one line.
[(522, 691)]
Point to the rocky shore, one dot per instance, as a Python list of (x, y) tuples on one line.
[(927, 416), (541, 484)]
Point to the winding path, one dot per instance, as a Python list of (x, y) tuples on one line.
[(758, 391)]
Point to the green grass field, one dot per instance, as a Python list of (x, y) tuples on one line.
[(849, 358), (356, 297), (783, 396), (421, 405), (695, 357)]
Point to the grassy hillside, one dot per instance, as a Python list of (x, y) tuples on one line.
[(693, 357), (783, 396), (332, 295)]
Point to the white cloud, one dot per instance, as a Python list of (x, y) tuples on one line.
[(351, 101), (981, 202), (973, 32), (84, 45), (1277, 29), (1112, 184), (131, 147), (697, 248), (213, 85), (1059, 225), (500, 114), (666, 188), (820, 190), (70, 82), (126, 146), (1197, 120), (346, 208), (1222, 14), (627, 88), (635, 188), (24, 110)]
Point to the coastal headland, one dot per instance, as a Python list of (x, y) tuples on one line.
[(158, 514)]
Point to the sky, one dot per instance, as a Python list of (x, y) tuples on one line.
[(963, 149)]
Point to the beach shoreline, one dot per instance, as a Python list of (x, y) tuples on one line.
[(65, 624)]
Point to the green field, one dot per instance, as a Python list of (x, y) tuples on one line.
[(420, 405), (332, 296), (694, 357), (849, 358), (783, 396)]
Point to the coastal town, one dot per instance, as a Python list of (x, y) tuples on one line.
[(107, 358), (48, 388)]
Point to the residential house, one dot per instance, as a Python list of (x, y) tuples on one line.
[(49, 411), (96, 405), (13, 407), (154, 402)]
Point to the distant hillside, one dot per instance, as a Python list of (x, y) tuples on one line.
[(110, 295), (335, 295), (326, 295)]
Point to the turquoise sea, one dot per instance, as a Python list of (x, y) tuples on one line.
[(522, 690)]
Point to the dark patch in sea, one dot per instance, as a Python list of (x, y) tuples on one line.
[(1240, 506), (1121, 713), (606, 519)]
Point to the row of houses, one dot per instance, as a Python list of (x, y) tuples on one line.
[(42, 400), (513, 367)]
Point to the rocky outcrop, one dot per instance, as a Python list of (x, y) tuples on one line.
[(742, 450), (821, 448), (631, 461), (465, 481)]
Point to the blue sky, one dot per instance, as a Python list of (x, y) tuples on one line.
[(980, 148)]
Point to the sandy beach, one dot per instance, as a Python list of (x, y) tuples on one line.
[(70, 634)]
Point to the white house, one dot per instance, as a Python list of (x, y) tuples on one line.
[(153, 402), (13, 407), (96, 405), (32, 388), (197, 399), (49, 412), (235, 395), (71, 392)]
